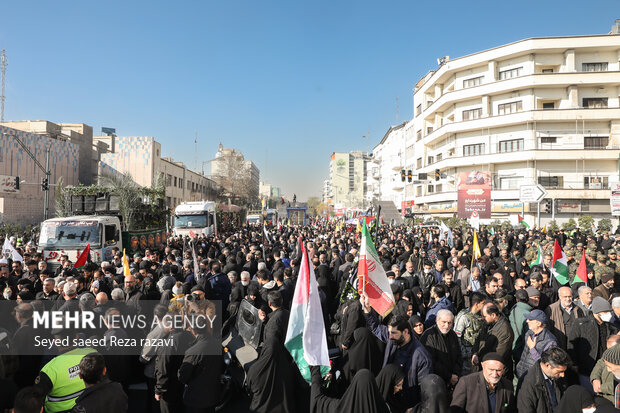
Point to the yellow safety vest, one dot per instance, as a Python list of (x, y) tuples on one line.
[(64, 373)]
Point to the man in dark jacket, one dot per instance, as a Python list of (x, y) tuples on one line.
[(168, 388), (443, 345), (133, 295), (496, 336), (543, 385), (587, 337), (201, 371), (100, 395), (486, 391), (402, 349), (275, 322)]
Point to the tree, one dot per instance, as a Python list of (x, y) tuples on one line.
[(585, 223), (552, 227), (60, 200), (506, 225), (233, 173), (569, 225), (313, 203), (127, 191), (605, 225)]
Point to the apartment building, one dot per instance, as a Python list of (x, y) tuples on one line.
[(538, 111), (347, 185)]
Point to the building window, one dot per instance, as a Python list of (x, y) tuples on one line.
[(548, 105), (418, 191), (439, 157), (548, 139), (507, 108), (175, 181), (594, 67), (595, 142), (430, 189), (510, 182), (547, 70), (472, 114), (418, 135), (595, 182), (471, 150), (513, 145), (476, 81), (551, 181), (438, 188), (510, 73), (429, 130), (594, 103), (168, 201), (418, 110), (168, 180), (418, 163), (431, 160)]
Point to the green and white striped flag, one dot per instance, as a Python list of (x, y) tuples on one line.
[(539, 259), (559, 266)]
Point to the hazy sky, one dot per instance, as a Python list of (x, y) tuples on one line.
[(285, 82)]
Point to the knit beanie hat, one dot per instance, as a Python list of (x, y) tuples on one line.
[(612, 354), (600, 305)]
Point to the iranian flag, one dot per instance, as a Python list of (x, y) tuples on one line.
[(372, 278), (559, 267), (522, 221), (305, 336), (83, 258), (582, 271), (539, 259)]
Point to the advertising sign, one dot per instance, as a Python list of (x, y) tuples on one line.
[(474, 194), (614, 200)]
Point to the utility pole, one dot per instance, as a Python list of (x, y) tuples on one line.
[(4, 62)]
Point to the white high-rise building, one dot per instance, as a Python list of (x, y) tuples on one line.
[(538, 111)]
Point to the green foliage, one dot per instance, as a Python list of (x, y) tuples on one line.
[(552, 227), (569, 225), (605, 225), (585, 223), (60, 200), (506, 225)]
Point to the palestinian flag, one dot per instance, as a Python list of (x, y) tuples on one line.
[(305, 336), (539, 259), (582, 271), (522, 222), (371, 277), (559, 267), (83, 258)]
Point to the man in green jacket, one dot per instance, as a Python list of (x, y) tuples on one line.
[(602, 379), (518, 322)]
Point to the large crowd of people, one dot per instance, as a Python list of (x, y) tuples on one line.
[(495, 333)]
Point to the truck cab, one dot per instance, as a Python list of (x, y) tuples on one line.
[(195, 218), (70, 235)]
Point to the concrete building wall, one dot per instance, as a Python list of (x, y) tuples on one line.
[(26, 207)]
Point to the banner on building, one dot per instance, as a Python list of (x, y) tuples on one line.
[(614, 200), (474, 194)]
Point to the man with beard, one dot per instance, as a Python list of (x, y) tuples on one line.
[(133, 295), (443, 345), (453, 291), (402, 349), (543, 385), (486, 391), (496, 336)]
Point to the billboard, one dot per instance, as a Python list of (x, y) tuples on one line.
[(474, 194)]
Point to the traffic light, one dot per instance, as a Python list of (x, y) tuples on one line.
[(437, 174), (545, 206), (409, 176), (44, 184), (402, 175), (17, 183)]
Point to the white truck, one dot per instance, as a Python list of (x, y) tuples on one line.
[(69, 236), (195, 218)]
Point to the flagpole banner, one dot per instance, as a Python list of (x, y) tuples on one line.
[(372, 278), (474, 194)]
